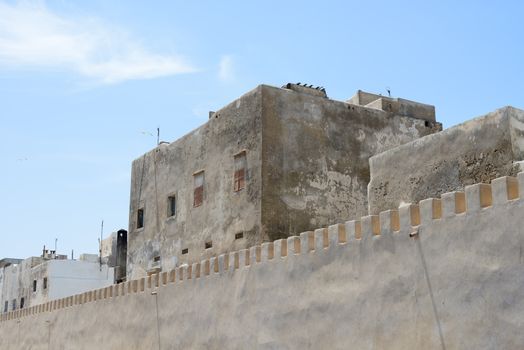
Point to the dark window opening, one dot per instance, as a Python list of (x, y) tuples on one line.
[(239, 181), (198, 193), (185, 251), (140, 218), (34, 285), (14, 304), (239, 235), (209, 244), (156, 258), (426, 123), (45, 282), (6, 306), (171, 206), (22, 302)]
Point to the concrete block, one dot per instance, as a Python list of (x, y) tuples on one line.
[(409, 216), (370, 226), (389, 221), (280, 248), (294, 245), (520, 177), (337, 234), (196, 270), (188, 271), (221, 263), (453, 203), (207, 267), (321, 239), (254, 255), (353, 230), (244, 257), (267, 252), (478, 196), (172, 276), (307, 241), (504, 189), (430, 209)]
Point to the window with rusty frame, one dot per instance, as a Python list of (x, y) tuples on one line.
[(198, 192), (239, 178)]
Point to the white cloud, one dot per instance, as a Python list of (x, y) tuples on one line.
[(225, 68), (31, 36)]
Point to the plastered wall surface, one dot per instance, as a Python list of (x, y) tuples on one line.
[(315, 168), (478, 150), (168, 170), (447, 273)]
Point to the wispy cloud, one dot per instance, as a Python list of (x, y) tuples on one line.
[(225, 68), (31, 36)]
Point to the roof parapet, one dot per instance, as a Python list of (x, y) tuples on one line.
[(398, 106)]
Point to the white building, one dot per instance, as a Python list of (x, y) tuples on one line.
[(36, 280)]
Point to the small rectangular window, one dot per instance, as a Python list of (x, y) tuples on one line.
[(34, 285), (140, 218), (239, 180), (6, 306), (22, 302), (14, 304), (171, 204), (156, 258), (209, 244), (185, 251), (45, 283), (198, 193), (239, 235)]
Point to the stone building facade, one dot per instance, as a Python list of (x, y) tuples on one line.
[(271, 164)]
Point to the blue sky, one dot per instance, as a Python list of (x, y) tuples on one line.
[(84, 85)]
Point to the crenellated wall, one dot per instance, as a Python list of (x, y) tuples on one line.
[(445, 273)]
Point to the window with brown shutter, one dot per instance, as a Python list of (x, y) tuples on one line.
[(239, 180), (198, 192)]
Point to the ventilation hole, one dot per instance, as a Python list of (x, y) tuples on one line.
[(209, 244), (239, 235), (185, 251)]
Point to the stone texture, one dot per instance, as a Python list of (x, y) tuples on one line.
[(476, 151)]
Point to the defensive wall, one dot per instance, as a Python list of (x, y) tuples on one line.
[(445, 273)]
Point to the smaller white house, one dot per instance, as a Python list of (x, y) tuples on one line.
[(36, 280)]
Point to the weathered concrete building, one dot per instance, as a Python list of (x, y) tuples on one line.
[(37, 280), (271, 164), (478, 150)]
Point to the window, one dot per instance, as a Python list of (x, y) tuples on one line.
[(156, 258), (239, 235), (22, 302), (185, 251), (239, 181), (45, 282), (171, 206), (209, 245), (140, 218), (13, 306), (34, 285), (6, 306), (198, 193)]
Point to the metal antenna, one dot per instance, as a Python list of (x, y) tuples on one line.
[(157, 136), (389, 91), (100, 243)]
